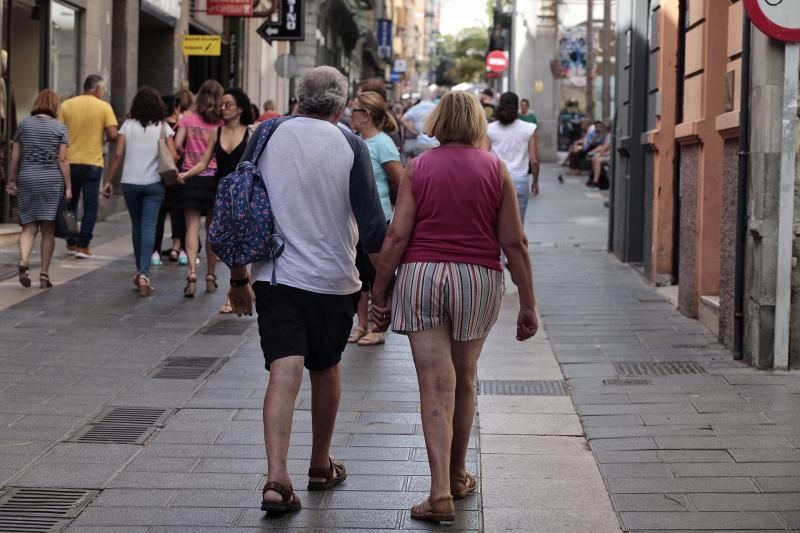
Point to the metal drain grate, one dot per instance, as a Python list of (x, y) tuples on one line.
[(21, 503), (114, 434), (31, 524), (522, 388), (627, 382), (227, 327), (187, 367), (649, 368), (132, 416)]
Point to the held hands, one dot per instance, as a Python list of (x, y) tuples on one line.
[(182, 178), (107, 190), (242, 299), (381, 314), (11, 188), (527, 324)]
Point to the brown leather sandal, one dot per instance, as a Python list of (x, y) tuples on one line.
[(332, 475), (429, 515), (289, 504), (469, 482)]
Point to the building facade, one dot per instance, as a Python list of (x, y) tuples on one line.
[(694, 192)]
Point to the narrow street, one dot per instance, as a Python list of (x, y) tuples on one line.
[(631, 417)]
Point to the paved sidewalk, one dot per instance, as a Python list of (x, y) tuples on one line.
[(713, 450)]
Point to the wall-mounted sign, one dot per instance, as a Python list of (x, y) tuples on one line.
[(202, 45), (400, 65), (289, 26), (230, 8), (497, 61), (385, 38), (780, 19)]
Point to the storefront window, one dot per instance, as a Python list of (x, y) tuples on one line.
[(63, 50)]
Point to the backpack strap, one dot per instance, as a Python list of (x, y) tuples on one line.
[(258, 141)]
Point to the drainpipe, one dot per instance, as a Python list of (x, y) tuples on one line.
[(742, 194)]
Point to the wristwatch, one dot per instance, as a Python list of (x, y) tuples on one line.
[(239, 282)]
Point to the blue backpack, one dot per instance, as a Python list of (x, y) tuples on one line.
[(243, 229)]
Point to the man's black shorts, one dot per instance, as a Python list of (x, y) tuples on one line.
[(296, 322)]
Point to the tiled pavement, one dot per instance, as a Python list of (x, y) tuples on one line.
[(713, 451)]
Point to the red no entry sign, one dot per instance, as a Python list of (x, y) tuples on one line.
[(497, 61), (780, 19)]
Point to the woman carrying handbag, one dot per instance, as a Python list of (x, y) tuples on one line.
[(139, 146)]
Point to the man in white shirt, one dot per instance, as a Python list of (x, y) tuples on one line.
[(323, 196), (414, 121)]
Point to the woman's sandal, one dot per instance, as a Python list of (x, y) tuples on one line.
[(226, 308), (145, 289), (173, 255), (469, 482), (191, 286), (372, 339), (289, 504), (333, 475), (24, 275), (211, 283), (429, 515), (356, 335), (44, 281)]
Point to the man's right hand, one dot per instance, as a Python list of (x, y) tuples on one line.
[(242, 299), (107, 190)]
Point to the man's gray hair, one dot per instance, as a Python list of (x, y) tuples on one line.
[(322, 91)]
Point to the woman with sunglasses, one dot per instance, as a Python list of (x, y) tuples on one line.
[(371, 119), (226, 146)]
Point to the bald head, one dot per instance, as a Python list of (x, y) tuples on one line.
[(322, 91)]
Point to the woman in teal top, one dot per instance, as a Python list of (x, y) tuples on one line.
[(373, 122)]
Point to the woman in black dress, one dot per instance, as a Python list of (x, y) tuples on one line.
[(226, 146)]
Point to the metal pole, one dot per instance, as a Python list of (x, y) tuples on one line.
[(590, 58), (606, 59), (783, 282)]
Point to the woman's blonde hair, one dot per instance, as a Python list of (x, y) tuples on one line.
[(376, 105), (458, 118)]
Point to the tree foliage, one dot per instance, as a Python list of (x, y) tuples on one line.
[(463, 56)]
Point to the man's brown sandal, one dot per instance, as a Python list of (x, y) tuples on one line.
[(429, 515), (469, 482), (332, 475), (289, 504)]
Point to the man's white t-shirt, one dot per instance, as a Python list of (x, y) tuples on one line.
[(510, 143), (418, 114), (323, 195), (141, 152)]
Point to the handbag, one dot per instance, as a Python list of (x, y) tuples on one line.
[(66, 225), (166, 165)]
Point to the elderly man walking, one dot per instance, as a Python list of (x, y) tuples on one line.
[(323, 196)]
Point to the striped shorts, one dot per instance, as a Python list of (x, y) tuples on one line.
[(429, 295)]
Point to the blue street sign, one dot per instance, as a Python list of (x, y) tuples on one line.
[(385, 38), (396, 76)]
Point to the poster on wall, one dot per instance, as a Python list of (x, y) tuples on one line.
[(230, 8)]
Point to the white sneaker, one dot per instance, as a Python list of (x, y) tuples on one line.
[(155, 259), (183, 259)]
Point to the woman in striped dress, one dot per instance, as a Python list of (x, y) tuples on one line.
[(456, 208), (38, 175)]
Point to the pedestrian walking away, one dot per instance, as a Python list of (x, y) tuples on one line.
[(137, 148), (456, 209), (414, 121), (196, 196), (515, 142), (89, 120), (323, 196), (39, 177), (226, 147), (372, 121)]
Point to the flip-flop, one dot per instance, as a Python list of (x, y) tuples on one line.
[(470, 484), (333, 475), (290, 503), (356, 335), (430, 516)]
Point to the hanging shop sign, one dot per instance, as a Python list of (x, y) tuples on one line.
[(385, 38), (202, 45), (289, 26), (230, 8), (779, 19)]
